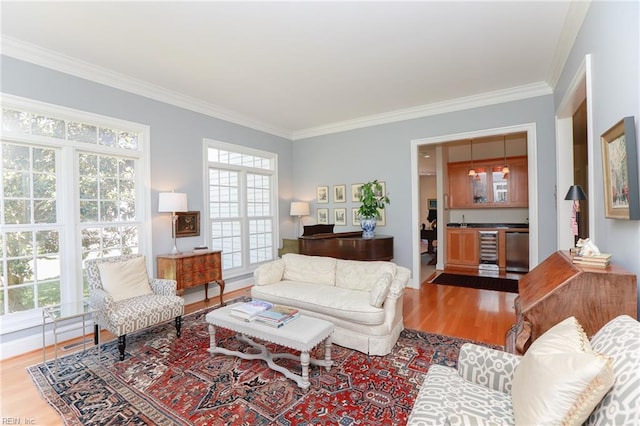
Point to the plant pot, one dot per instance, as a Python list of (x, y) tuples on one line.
[(368, 225)]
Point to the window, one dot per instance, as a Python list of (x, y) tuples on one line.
[(241, 200), (71, 185)]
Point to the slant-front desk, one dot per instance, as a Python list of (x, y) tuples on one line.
[(347, 245)]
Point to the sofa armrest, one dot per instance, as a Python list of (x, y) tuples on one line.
[(487, 367), (399, 282), (162, 287), (269, 273)]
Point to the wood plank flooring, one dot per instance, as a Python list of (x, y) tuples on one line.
[(479, 315)]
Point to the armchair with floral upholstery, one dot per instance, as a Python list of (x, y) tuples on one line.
[(126, 301)]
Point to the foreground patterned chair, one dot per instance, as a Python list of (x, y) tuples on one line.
[(125, 300), (597, 384)]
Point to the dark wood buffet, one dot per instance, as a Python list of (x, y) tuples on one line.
[(347, 245), (557, 288)]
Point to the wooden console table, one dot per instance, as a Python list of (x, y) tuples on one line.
[(193, 269)]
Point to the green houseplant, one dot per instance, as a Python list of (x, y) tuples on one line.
[(372, 200)]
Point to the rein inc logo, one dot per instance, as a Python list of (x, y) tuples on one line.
[(17, 421)]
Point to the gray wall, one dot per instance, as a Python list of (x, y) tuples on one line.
[(384, 152), (610, 34), (176, 137)]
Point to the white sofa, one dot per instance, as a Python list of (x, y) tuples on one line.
[(596, 384), (362, 299)]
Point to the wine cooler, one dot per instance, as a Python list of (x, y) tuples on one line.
[(488, 251)]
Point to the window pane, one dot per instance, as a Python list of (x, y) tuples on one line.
[(21, 299), (49, 293), (48, 126), (15, 121), (82, 132)]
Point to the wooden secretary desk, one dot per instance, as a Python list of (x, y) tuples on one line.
[(193, 269)]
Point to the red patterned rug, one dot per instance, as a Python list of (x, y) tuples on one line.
[(166, 380)]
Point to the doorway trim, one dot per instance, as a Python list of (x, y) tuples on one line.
[(532, 161)]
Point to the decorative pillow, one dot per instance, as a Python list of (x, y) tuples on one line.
[(560, 379), (124, 280), (380, 290), (269, 273), (309, 269)]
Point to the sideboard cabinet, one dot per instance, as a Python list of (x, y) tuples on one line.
[(193, 269), (488, 188)]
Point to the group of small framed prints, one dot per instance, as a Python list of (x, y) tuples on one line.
[(338, 194)]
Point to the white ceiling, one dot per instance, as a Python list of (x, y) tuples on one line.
[(302, 68)]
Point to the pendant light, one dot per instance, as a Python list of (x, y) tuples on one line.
[(505, 168), (472, 171)]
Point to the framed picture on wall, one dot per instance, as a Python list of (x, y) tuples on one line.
[(322, 194), (355, 192), (355, 217), (339, 193), (382, 221), (340, 216), (323, 216), (620, 167), (432, 203), (188, 224)]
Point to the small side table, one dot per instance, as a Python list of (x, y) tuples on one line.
[(193, 269), (66, 311)]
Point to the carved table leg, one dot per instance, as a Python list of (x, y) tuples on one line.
[(327, 353), (212, 337), (304, 361)]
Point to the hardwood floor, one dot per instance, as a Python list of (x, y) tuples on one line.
[(479, 315)]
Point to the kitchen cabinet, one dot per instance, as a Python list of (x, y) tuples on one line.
[(462, 248), (488, 188)]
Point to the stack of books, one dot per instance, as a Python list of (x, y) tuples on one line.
[(248, 311), (278, 316), (596, 261)]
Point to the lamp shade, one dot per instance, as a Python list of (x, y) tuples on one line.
[(299, 208), (169, 202), (575, 193)]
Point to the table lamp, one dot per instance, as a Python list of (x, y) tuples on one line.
[(172, 202), (576, 194), (299, 208)]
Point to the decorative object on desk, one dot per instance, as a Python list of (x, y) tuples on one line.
[(602, 260), (188, 224), (172, 202), (219, 384), (576, 194), (200, 248), (586, 247), (322, 195), (299, 209), (620, 163), (323, 216), (340, 193), (340, 216), (373, 199)]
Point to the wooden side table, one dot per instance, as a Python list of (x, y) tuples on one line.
[(193, 269)]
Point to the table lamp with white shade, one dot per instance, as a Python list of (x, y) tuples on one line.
[(299, 208), (172, 202)]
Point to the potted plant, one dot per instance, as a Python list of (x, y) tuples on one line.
[(373, 200)]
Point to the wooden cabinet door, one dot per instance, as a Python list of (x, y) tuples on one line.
[(462, 247), (460, 195), (518, 182)]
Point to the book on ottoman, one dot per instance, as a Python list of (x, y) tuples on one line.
[(249, 310), (278, 315)]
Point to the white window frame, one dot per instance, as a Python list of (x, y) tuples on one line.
[(68, 212), (210, 143)]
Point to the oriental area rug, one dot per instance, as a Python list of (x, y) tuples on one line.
[(477, 281), (166, 380)]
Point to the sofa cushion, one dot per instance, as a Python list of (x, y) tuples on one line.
[(359, 275), (269, 273), (380, 290), (310, 269), (560, 379), (444, 394), (124, 280), (620, 340), (342, 303)]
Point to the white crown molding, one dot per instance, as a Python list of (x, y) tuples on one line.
[(572, 24), (50, 59), (484, 99)]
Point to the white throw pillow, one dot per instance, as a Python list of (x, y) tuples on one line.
[(560, 379), (124, 280), (380, 290)]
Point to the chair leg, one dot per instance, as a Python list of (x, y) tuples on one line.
[(121, 345), (178, 324)]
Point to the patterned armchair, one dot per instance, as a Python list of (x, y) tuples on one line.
[(122, 311), (481, 390)]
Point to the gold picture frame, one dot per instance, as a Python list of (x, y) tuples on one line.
[(620, 169), (188, 224)]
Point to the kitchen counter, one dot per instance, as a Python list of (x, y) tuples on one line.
[(489, 225)]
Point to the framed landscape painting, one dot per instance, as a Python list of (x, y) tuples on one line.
[(620, 169)]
